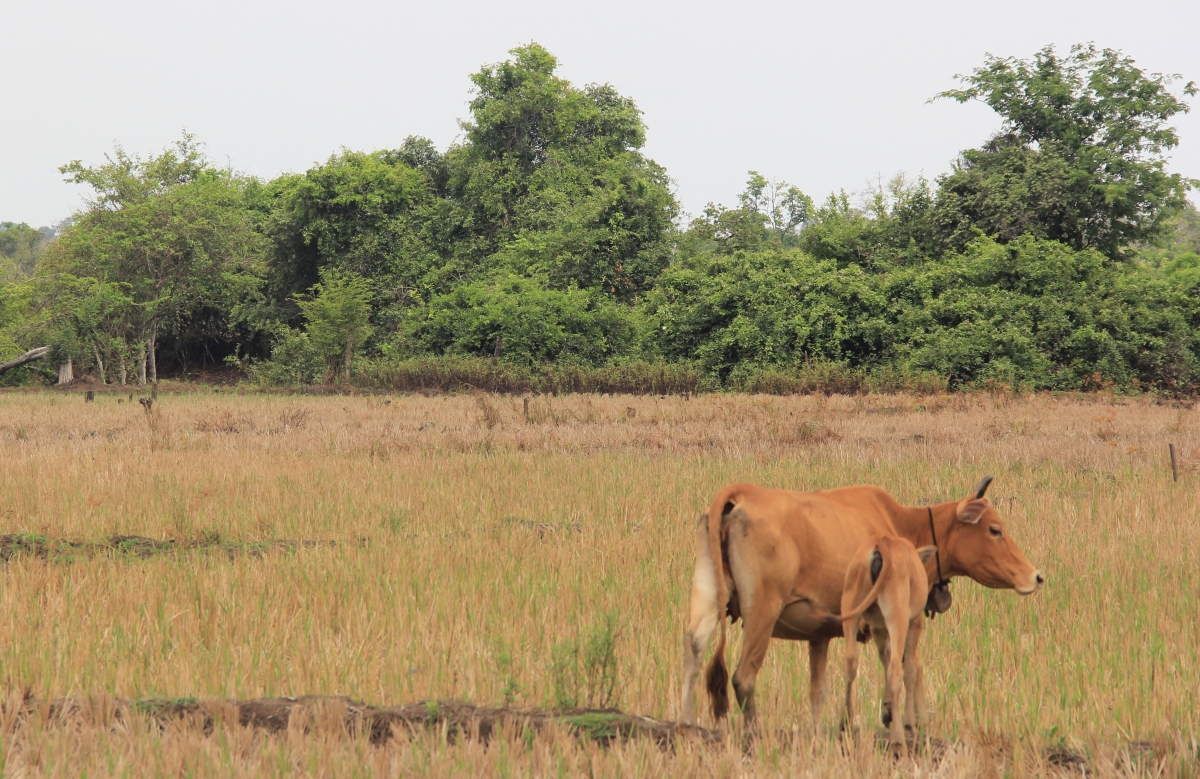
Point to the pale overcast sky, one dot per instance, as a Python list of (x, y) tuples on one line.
[(826, 96)]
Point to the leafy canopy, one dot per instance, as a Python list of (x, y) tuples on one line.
[(175, 235), (1059, 254), (1080, 157)]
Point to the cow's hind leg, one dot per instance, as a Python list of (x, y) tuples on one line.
[(759, 623), (704, 611), (695, 640)]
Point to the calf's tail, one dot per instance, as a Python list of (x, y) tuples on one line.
[(873, 594)]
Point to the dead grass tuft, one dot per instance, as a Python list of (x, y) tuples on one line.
[(224, 422)]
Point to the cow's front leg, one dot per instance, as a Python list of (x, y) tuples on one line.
[(818, 663), (850, 657)]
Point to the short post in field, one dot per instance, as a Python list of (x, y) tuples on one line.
[(525, 403), (1174, 464), (89, 397)]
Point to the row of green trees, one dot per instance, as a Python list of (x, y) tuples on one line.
[(1059, 254)]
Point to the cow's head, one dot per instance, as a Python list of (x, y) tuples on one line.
[(980, 547)]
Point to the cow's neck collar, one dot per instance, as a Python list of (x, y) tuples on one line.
[(913, 524)]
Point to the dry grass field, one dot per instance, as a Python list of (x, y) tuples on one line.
[(474, 544)]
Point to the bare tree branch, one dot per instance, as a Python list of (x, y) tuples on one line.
[(29, 356)]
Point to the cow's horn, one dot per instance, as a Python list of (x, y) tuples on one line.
[(982, 487)]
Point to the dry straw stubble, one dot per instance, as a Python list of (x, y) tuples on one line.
[(490, 534)]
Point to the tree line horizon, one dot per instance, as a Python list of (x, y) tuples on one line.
[(1059, 254)]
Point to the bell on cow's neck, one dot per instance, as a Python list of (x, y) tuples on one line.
[(939, 599)]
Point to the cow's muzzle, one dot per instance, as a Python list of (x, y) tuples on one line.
[(1038, 581)]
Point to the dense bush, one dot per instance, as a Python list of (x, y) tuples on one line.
[(1033, 313), (525, 322), (295, 360)]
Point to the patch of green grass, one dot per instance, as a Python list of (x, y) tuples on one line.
[(394, 520), (251, 548), (596, 725)]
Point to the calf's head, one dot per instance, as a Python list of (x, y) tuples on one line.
[(980, 547)]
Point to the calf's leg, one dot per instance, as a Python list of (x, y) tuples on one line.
[(884, 648), (914, 696), (897, 628)]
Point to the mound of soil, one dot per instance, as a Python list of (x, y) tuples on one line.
[(454, 719), (457, 721), (67, 550)]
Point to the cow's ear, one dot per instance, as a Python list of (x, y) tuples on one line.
[(969, 511), (926, 553)]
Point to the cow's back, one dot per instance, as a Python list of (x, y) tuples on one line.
[(817, 533)]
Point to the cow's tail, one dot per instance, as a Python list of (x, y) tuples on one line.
[(873, 594), (717, 675)]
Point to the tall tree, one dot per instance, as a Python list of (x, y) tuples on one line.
[(361, 213), (768, 210), (84, 320), (548, 188), (172, 230), (551, 183), (1080, 157)]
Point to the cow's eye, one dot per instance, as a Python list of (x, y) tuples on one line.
[(995, 531)]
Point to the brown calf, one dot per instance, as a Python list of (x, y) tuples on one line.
[(886, 587)]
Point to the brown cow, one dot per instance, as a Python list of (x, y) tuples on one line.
[(886, 586), (782, 559)]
